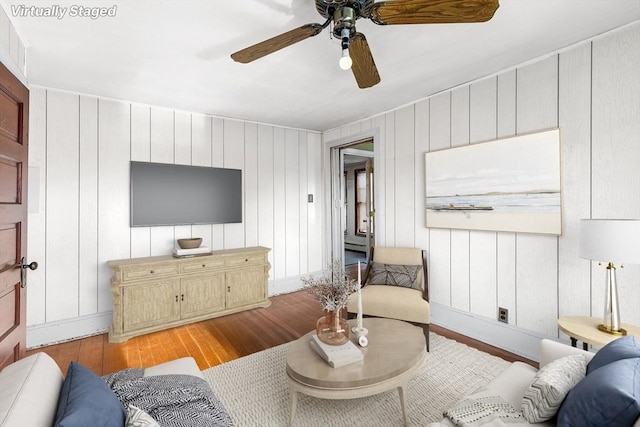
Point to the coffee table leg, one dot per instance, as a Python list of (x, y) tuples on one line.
[(403, 403), (294, 402)]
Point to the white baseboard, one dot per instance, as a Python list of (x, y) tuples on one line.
[(93, 324), (285, 285), (68, 329), (511, 338), (508, 337)]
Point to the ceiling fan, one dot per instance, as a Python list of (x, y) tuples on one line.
[(355, 49)]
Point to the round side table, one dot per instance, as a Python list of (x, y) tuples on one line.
[(585, 329)]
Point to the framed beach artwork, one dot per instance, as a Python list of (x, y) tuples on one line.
[(510, 184)]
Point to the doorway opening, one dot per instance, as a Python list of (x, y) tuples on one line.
[(354, 203)]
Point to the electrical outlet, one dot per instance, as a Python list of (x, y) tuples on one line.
[(503, 315)]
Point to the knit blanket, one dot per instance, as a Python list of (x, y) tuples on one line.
[(172, 400), (483, 409)]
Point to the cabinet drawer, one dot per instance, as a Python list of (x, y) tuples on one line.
[(149, 272), (203, 265), (248, 259)]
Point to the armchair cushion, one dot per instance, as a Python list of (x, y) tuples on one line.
[(377, 301), (395, 275)]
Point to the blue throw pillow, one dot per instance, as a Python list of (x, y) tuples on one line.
[(87, 400), (609, 396), (622, 348)]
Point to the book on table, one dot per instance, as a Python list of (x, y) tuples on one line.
[(336, 355)]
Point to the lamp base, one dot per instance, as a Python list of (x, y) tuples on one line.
[(608, 330)]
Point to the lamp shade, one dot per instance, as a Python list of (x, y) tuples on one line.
[(610, 240)]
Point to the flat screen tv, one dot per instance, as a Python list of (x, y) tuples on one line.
[(168, 194)]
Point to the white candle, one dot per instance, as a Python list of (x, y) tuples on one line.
[(359, 298)]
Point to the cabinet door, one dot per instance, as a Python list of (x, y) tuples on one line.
[(202, 295), (152, 304), (246, 286)]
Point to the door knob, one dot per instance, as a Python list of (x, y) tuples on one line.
[(31, 266)]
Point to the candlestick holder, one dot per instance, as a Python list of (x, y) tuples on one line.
[(360, 331)]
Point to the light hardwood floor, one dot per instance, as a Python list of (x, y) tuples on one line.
[(214, 341)]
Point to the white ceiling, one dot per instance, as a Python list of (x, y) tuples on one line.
[(176, 54)]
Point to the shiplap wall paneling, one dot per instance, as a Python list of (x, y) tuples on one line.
[(140, 152), (537, 255), (201, 156), (421, 142), (440, 239), (366, 125), (113, 201), (36, 234), (574, 116), (162, 134), (11, 43), (182, 156), (279, 203), (460, 238), (250, 180), (5, 30), (265, 150), (315, 232), (162, 151), (62, 195), (405, 177), (182, 138), (234, 159), (88, 207), (616, 153), (217, 160), (380, 177), (303, 205), (482, 244), (506, 252), (292, 203), (507, 105), (389, 179)]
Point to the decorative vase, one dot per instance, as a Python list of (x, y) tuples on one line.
[(332, 328)]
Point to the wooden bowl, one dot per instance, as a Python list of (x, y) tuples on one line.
[(192, 243)]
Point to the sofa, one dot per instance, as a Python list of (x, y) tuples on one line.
[(34, 393), (515, 386)]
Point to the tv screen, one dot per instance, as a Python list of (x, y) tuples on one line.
[(167, 194)]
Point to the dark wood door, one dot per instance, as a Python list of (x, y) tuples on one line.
[(14, 112)]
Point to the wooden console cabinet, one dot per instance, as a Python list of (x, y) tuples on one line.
[(155, 293)]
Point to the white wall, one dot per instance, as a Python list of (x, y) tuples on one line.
[(81, 147), (592, 93), (12, 51)]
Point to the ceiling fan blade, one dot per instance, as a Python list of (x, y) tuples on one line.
[(276, 43), (432, 11), (363, 67)]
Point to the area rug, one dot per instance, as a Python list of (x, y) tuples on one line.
[(254, 390)]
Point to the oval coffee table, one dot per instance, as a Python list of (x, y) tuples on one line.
[(394, 355)]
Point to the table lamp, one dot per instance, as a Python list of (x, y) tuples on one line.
[(615, 242)]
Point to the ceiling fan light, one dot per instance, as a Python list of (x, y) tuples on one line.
[(345, 62)]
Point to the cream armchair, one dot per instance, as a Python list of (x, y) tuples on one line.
[(395, 286)]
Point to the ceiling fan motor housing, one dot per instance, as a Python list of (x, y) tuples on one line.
[(344, 23), (327, 8)]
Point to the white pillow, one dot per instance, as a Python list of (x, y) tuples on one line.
[(550, 386), (136, 417)]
